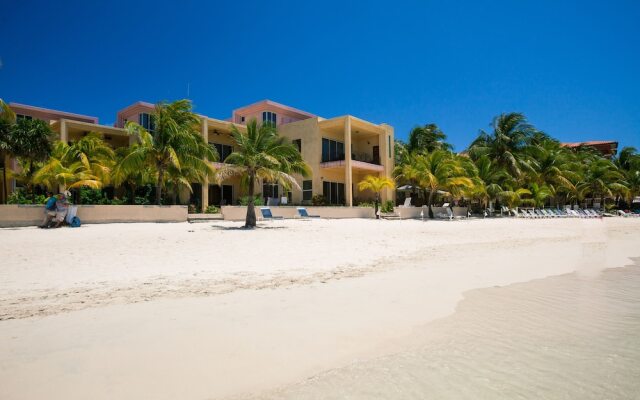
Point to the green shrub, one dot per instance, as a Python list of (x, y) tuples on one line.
[(366, 204), (387, 207), (318, 200), (212, 210), (19, 196), (92, 196), (257, 200)]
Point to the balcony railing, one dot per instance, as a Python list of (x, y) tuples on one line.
[(362, 157)]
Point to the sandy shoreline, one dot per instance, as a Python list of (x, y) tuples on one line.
[(208, 311)]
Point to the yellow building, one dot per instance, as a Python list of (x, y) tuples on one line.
[(341, 151)]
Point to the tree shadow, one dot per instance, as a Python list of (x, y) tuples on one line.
[(242, 228)]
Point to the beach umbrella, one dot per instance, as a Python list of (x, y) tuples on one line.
[(407, 188)]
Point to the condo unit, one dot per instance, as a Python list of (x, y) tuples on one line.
[(340, 151)]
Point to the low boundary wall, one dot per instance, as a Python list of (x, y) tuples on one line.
[(414, 212), (239, 213), (13, 215)]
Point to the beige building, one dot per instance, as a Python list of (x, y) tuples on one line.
[(341, 151)]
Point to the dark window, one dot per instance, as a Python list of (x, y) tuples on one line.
[(147, 122), (223, 150), (332, 150), (242, 119), (298, 144), (307, 190), (270, 190), (333, 192), (289, 197), (20, 116), (269, 117)]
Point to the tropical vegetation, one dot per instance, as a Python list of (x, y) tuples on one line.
[(260, 153), (376, 184), (514, 164)]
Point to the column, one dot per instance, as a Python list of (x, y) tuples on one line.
[(64, 138), (388, 163), (348, 173), (205, 184), (64, 134)]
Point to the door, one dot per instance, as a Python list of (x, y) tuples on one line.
[(227, 195), (376, 155)]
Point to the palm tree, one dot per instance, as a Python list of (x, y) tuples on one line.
[(406, 172), (175, 143), (441, 170), (602, 178), (551, 166), (487, 183), (427, 138), (261, 153), (376, 184), (513, 197), (29, 141), (62, 169), (7, 119), (539, 194), (132, 178), (505, 145)]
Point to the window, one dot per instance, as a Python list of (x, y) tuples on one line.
[(269, 117), (146, 121), (307, 190), (241, 119), (298, 144), (289, 197), (20, 116), (223, 150), (333, 192), (332, 150), (270, 190)]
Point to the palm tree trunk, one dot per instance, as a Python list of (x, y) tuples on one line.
[(159, 186), (250, 221), (133, 193), (5, 184), (376, 205), (429, 201)]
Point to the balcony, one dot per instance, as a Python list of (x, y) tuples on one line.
[(362, 163)]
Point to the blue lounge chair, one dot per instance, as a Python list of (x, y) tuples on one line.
[(266, 214), (304, 214)]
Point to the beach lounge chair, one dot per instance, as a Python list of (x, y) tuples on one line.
[(539, 213), (302, 212), (267, 215), (549, 214), (531, 214)]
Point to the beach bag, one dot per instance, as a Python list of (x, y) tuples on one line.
[(75, 222), (71, 212)]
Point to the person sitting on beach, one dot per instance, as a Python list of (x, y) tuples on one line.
[(49, 209), (62, 205)]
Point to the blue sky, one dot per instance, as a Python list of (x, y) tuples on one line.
[(572, 67)]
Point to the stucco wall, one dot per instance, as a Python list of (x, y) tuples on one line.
[(239, 213), (27, 215), (414, 212)]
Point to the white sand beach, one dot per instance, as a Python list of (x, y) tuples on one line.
[(207, 310)]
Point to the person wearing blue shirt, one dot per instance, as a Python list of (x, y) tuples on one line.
[(49, 209)]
